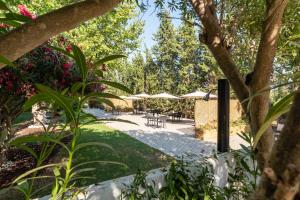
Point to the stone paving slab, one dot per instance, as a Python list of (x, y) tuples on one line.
[(176, 139)]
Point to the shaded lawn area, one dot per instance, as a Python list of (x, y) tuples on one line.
[(127, 150)]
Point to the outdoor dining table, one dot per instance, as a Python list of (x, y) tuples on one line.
[(154, 111), (156, 120)]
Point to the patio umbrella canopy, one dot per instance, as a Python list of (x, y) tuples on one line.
[(164, 95), (142, 95), (130, 98), (198, 95)]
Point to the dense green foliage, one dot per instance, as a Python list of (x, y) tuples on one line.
[(241, 23), (114, 33), (178, 63)]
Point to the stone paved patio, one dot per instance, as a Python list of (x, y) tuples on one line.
[(176, 139)]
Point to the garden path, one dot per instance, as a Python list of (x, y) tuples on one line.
[(176, 139)]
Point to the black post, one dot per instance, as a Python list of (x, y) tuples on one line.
[(223, 115)]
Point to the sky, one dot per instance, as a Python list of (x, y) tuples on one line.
[(152, 25)]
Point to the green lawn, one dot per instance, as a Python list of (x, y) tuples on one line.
[(127, 150)]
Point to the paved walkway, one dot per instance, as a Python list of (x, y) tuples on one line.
[(176, 139)]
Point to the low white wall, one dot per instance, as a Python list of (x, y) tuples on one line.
[(112, 189)]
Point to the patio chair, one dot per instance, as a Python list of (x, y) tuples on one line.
[(176, 116), (141, 110), (116, 110), (162, 121), (150, 119)]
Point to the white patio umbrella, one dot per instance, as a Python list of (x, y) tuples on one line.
[(198, 95), (164, 95), (142, 95), (130, 98)]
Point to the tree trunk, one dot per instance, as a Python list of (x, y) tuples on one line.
[(281, 180), (260, 78), (214, 39), (31, 35), (145, 81)]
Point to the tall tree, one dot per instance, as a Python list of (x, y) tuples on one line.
[(193, 72), (211, 14), (115, 33), (166, 53), (151, 71), (133, 73)]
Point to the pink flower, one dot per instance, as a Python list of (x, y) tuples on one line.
[(67, 66), (24, 11), (66, 74), (3, 25), (9, 85), (47, 50), (69, 48), (29, 66)]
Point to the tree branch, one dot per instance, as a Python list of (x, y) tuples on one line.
[(187, 21), (213, 38), (262, 73), (27, 37)]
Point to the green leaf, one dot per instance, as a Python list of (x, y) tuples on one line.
[(28, 149), (10, 22), (18, 17), (206, 197), (33, 171), (106, 101), (100, 95), (56, 185), (85, 115), (108, 58), (280, 108), (6, 61), (35, 99), (36, 138), (245, 165), (62, 51), (80, 61), (3, 6), (76, 86), (281, 104), (246, 149), (99, 73), (117, 86), (60, 100)]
